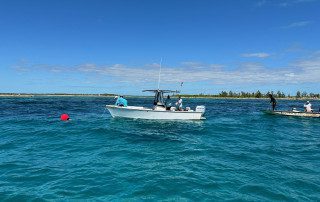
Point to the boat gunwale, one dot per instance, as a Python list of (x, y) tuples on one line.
[(149, 109), (294, 114)]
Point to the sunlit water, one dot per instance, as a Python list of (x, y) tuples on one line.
[(237, 153)]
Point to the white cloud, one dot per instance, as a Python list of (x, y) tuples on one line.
[(287, 3), (25, 67), (257, 55), (281, 3), (302, 71), (260, 3), (297, 24)]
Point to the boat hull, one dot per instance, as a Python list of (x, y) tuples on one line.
[(147, 113), (291, 113)]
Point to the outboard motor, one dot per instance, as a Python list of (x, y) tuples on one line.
[(201, 108)]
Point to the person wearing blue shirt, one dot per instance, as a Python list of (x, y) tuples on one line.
[(168, 103), (121, 102)]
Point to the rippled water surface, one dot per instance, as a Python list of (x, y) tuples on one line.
[(237, 153)]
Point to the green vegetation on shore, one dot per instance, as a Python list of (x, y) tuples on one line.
[(222, 94), (257, 94)]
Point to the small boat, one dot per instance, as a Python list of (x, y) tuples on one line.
[(159, 110), (293, 113)]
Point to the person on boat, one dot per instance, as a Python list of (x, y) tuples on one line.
[(168, 103), (307, 107), (121, 102), (179, 104), (273, 102)]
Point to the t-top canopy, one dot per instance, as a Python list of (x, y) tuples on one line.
[(163, 91)]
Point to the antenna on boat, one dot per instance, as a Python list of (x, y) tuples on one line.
[(159, 75)]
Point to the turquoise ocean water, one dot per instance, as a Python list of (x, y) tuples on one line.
[(237, 153)]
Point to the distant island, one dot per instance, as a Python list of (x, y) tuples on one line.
[(52, 94), (258, 94), (222, 94)]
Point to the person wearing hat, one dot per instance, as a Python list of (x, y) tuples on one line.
[(307, 107), (121, 101)]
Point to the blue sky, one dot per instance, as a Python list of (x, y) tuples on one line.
[(77, 46)]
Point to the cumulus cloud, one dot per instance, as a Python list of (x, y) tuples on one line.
[(302, 71), (257, 55)]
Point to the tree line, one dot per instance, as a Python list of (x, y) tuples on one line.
[(257, 94)]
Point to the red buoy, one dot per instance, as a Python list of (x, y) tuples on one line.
[(64, 117)]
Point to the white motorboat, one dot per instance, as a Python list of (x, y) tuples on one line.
[(159, 110)]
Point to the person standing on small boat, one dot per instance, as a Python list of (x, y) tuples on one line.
[(179, 104), (121, 102), (307, 107), (168, 103), (273, 102)]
